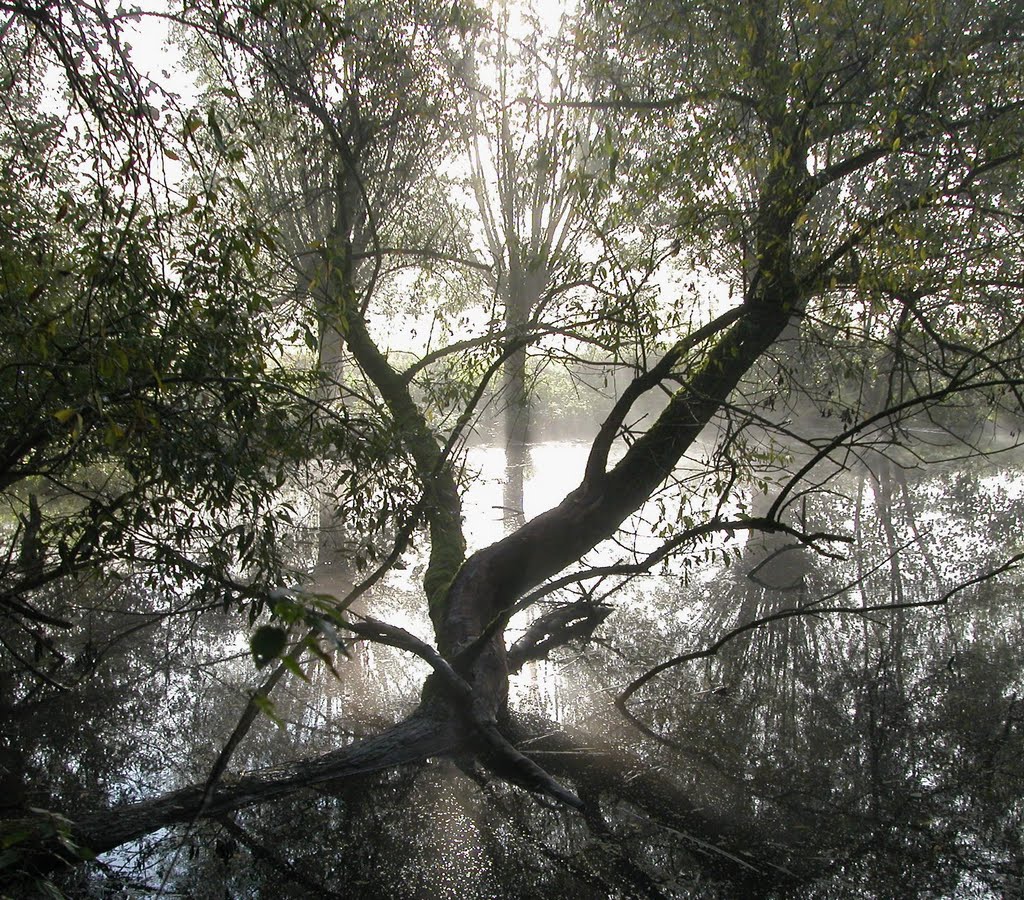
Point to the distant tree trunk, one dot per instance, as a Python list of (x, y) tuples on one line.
[(525, 186), (517, 408), (322, 192), (517, 458), (330, 555), (341, 205)]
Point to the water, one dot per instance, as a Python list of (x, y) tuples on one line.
[(876, 755)]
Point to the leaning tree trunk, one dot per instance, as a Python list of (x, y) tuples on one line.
[(413, 740), (464, 705)]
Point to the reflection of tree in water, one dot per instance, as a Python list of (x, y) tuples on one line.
[(881, 753), (883, 750)]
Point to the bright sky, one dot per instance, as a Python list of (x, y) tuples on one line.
[(156, 56)]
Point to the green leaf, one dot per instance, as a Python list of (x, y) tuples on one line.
[(218, 135), (265, 706), (292, 665), (113, 435), (267, 643), (16, 836), (48, 889)]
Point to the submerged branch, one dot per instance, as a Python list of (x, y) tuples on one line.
[(604, 772)]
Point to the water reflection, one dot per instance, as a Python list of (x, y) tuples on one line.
[(874, 754), (550, 470), (882, 751)]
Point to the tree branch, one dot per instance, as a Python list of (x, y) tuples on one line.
[(809, 609)]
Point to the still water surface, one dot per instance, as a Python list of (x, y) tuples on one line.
[(882, 754)]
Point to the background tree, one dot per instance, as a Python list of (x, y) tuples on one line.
[(339, 146), (526, 160)]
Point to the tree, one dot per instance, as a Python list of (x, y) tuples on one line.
[(852, 172), (115, 304), (353, 170), (526, 160)]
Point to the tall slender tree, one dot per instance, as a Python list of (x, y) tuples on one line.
[(526, 160)]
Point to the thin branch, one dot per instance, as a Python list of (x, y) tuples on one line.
[(598, 460), (812, 609), (423, 253)]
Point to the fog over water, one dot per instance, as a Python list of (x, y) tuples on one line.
[(468, 449), (814, 725)]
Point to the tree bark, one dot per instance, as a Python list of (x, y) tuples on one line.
[(414, 740)]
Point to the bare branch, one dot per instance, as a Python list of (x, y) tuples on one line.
[(808, 609)]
